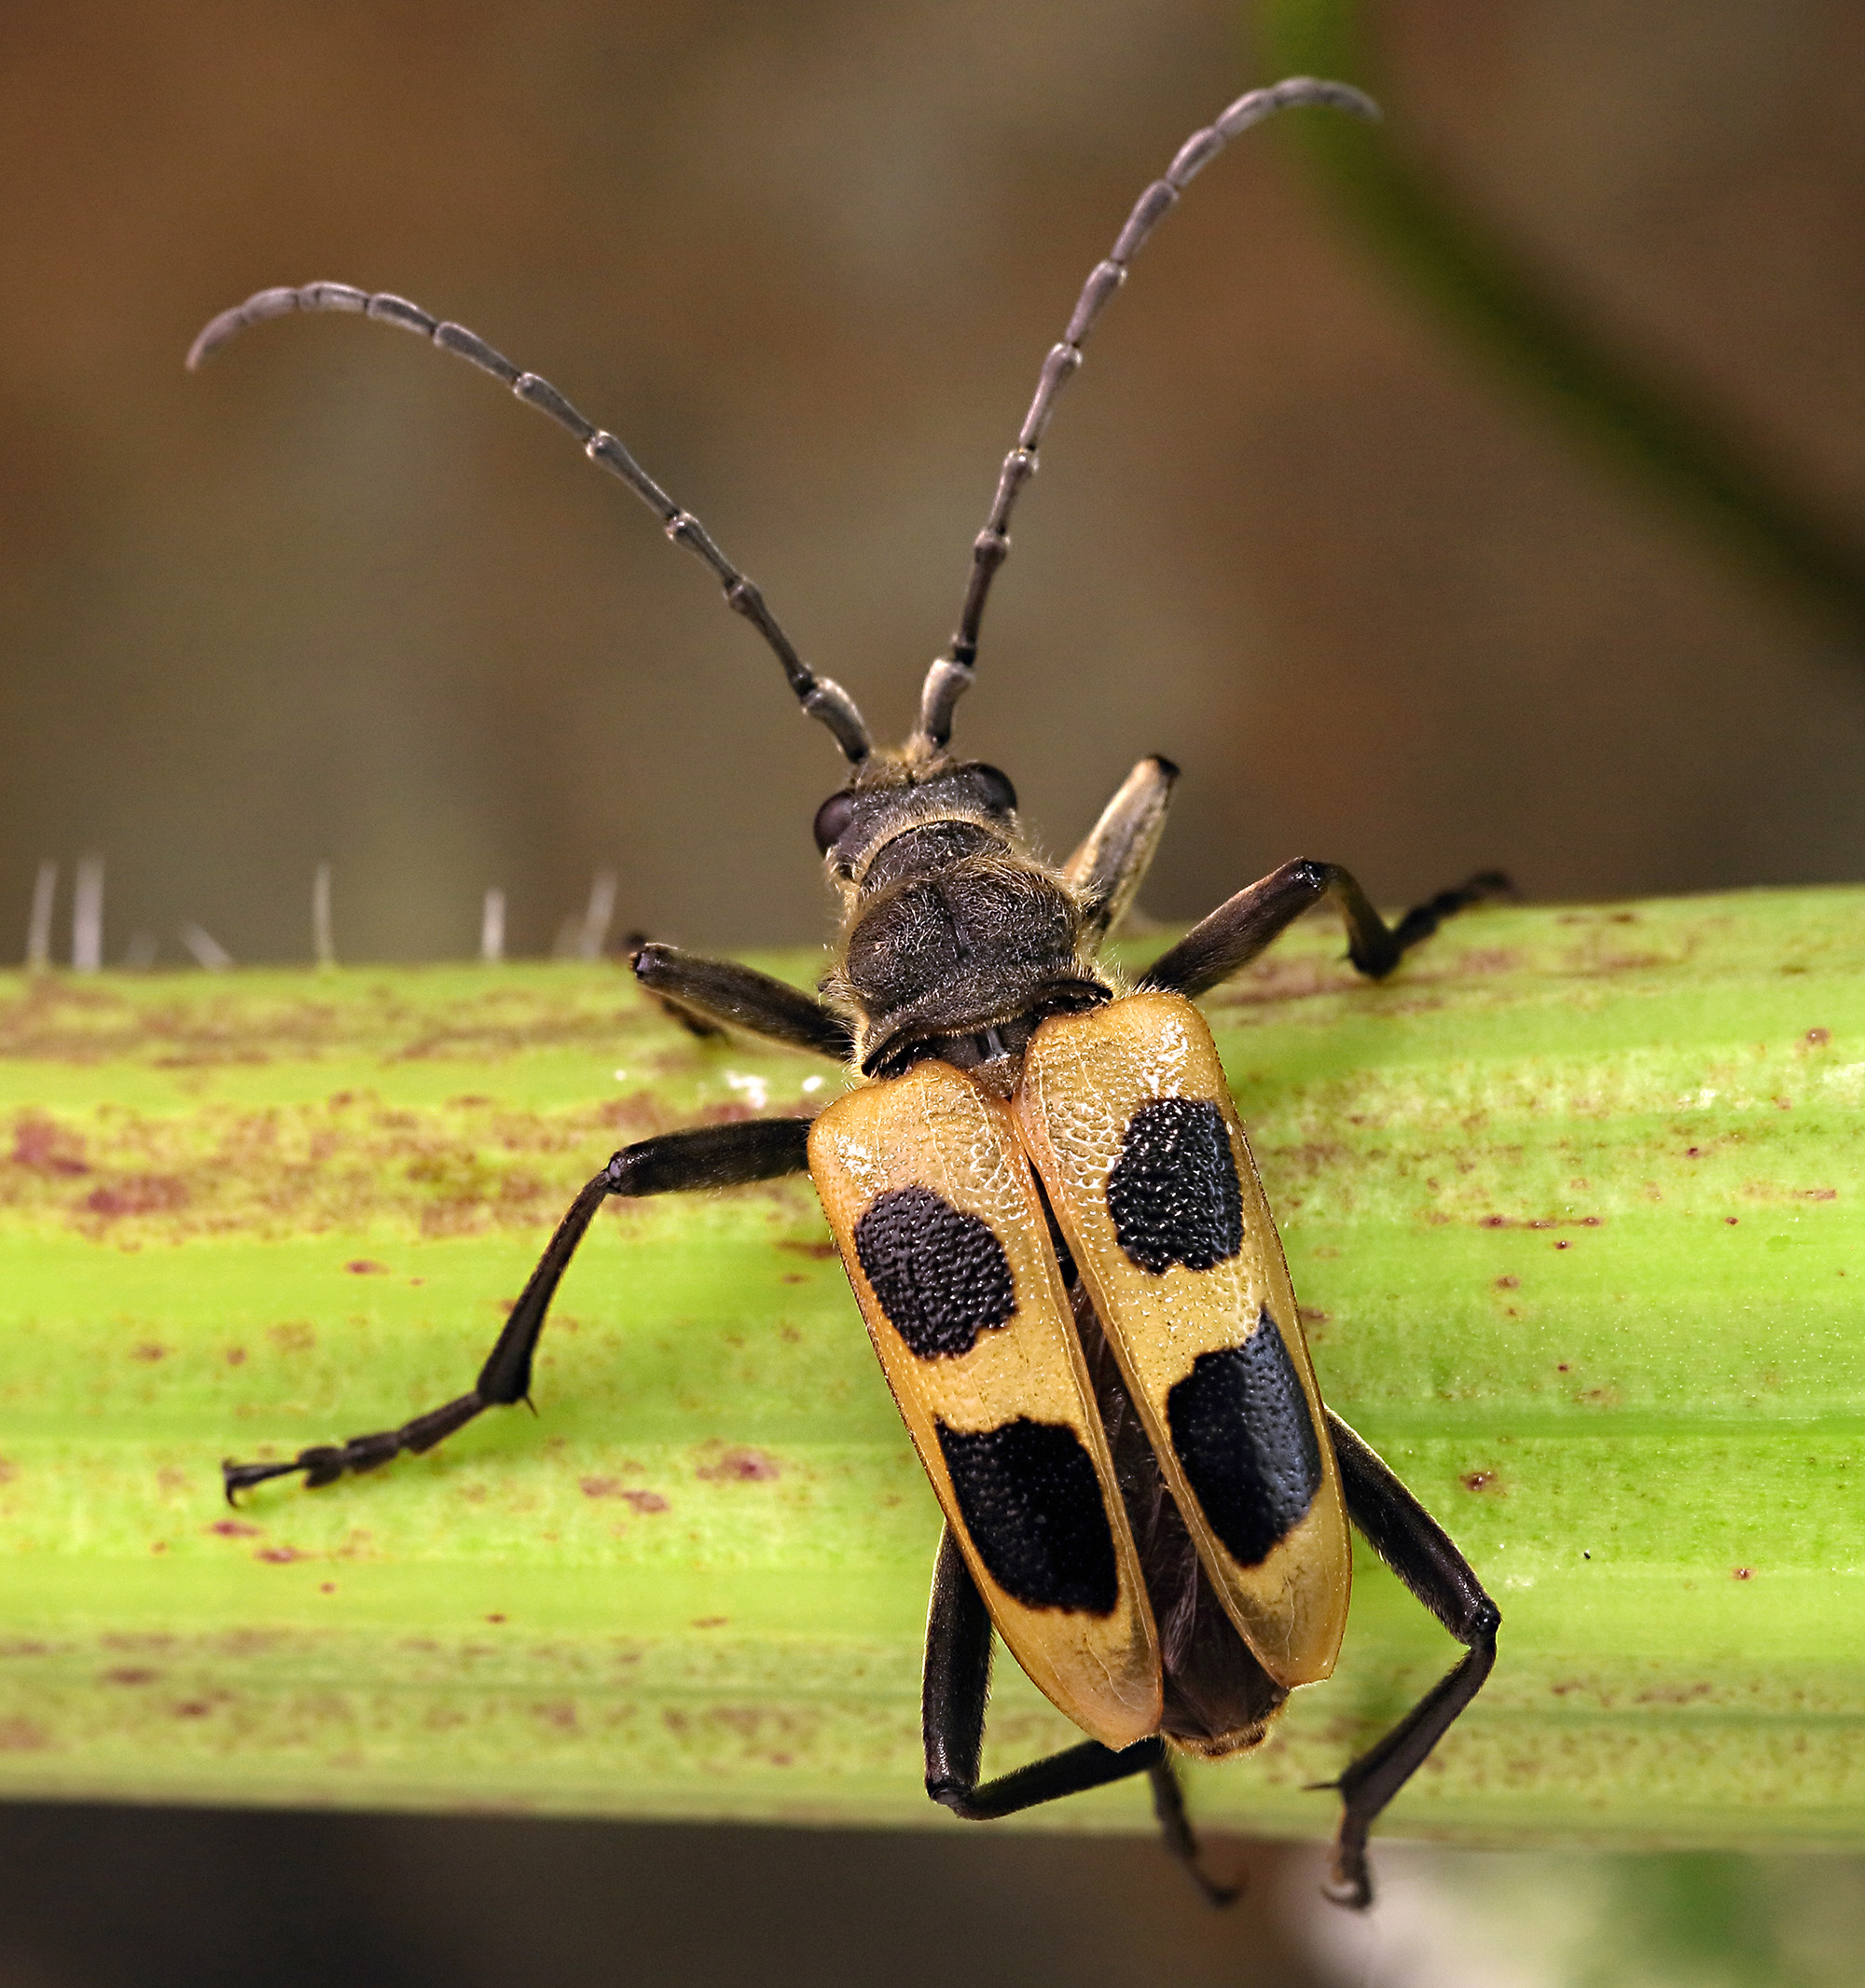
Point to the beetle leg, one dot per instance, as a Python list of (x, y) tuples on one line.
[(729, 1155), (1417, 1549), (690, 1019), (953, 1699), (1106, 872), (1175, 1826), (721, 993), (1242, 926)]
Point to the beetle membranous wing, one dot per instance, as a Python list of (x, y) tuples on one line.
[(1173, 1193), (1218, 1698), (1032, 1504), (941, 1276), (1242, 1427)]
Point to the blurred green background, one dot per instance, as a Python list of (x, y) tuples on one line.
[(332, 600)]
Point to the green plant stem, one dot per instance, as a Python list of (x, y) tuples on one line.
[(1680, 447), (1572, 1203)]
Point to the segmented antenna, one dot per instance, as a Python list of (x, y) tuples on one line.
[(950, 677), (821, 696)]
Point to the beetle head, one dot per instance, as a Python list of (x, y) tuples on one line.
[(964, 803)]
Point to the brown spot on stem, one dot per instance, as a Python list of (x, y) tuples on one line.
[(153, 1193), (47, 1148), (740, 1467)]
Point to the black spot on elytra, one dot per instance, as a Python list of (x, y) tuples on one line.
[(1031, 1502), (941, 1276), (1242, 1427), (1173, 1193)]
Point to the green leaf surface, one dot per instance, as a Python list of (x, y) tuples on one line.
[(1573, 1203)]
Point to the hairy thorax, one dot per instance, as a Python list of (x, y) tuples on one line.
[(956, 939)]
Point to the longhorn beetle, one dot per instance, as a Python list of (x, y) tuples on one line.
[(1046, 1208)]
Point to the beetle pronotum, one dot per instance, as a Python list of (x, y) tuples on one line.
[(1046, 1208)]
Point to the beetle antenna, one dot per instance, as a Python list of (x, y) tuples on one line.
[(950, 677), (821, 696)]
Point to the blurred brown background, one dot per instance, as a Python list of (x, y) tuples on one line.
[(334, 599)]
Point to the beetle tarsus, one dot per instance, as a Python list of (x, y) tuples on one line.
[(324, 1463), (726, 1155), (1422, 920), (1352, 1885), (1243, 926), (1182, 1840), (238, 1477), (1419, 1550)]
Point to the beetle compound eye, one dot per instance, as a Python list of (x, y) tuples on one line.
[(994, 788), (833, 819)]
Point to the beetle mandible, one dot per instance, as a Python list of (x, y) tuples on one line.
[(1043, 1200)]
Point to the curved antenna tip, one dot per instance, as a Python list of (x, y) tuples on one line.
[(211, 337), (1295, 92), (952, 674), (822, 698)]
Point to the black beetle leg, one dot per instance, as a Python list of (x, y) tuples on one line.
[(1242, 926), (1417, 1549), (729, 1155), (710, 995), (953, 1700)]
